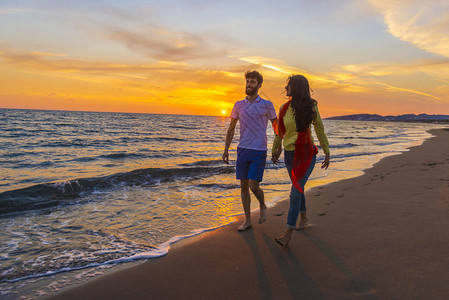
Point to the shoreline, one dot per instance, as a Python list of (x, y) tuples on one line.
[(323, 255)]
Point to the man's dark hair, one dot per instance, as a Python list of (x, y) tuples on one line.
[(254, 74)]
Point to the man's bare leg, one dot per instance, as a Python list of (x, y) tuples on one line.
[(255, 188), (246, 203)]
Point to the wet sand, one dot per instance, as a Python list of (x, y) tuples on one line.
[(383, 235)]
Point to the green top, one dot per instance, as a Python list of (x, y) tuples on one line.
[(291, 134)]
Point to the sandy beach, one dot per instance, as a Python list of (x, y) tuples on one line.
[(383, 235)]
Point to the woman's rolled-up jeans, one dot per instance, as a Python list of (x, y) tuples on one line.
[(297, 199)]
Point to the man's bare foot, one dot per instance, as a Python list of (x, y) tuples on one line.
[(263, 215), (244, 226), (283, 240)]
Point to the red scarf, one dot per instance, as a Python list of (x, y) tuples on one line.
[(305, 149)]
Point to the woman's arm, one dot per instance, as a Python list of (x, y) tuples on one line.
[(277, 149), (321, 135)]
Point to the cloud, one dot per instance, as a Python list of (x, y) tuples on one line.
[(133, 27), (54, 62), (168, 45), (271, 63), (139, 31), (12, 10), (160, 77), (425, 77), (341, 81), (425, 24), (46, 54), (437, 69), (284, 70), (409, 91)]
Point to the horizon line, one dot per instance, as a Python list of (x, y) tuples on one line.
[(149, 113)]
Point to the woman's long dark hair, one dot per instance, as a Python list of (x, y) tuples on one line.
[(301, 102)]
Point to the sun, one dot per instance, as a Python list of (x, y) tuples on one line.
[(223, 112)]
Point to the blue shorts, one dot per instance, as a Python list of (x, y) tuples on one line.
[(250, 164)]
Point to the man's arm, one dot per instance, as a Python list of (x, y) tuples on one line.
[(229, 137)]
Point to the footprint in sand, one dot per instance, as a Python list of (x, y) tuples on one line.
[(381, 176)]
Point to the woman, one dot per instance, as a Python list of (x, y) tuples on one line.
[(295, 118)]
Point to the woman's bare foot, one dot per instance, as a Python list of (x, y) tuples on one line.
[(283, 240), (245, 225)]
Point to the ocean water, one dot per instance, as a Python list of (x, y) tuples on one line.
[(81, 192)]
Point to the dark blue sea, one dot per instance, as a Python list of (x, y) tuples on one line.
[(81, 192)]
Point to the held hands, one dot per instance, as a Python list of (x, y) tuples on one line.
[(325, 163), (275, 156)]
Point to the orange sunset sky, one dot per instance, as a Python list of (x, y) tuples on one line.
[(189, 57)]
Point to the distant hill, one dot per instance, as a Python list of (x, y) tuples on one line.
[(401, 118)]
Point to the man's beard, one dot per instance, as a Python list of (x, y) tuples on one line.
[(251, 91)]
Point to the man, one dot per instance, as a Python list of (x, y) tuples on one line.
[(253, 113)]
